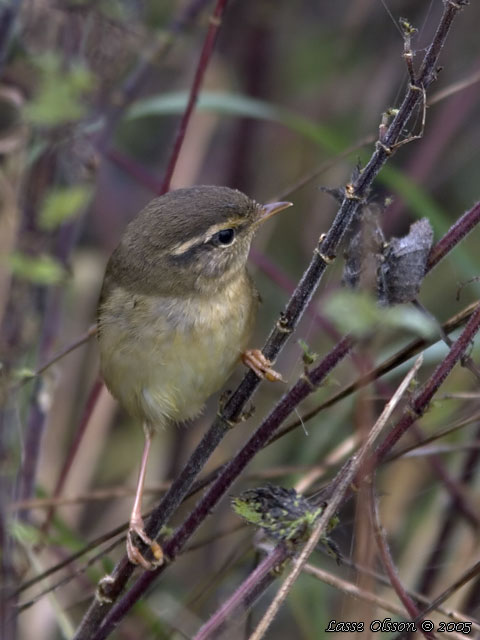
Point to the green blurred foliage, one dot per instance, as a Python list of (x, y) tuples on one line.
[(358, 312), (61, 93), (289, 88), (42, 270), (62, 204)]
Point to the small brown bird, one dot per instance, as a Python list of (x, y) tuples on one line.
[(176, 311)]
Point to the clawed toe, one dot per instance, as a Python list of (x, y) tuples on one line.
[(134, 554), (255, 360)]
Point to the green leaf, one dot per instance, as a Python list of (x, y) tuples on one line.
[(235, 105), (330, 139), (59, 95), (220, 102), (62, 204), (24, 373), (354, 312), (25, 533), (358, 312), (43, 270), (407, 317), (308, 356)]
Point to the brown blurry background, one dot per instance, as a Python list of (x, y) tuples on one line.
[(290, 88)]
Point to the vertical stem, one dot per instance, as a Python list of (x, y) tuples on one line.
[(7, 22), (215, 22)]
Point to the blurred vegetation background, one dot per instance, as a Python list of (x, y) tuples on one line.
[(90, 99)]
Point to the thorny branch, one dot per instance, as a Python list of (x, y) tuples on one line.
[(281, 553), (342, 483), (104, 615)]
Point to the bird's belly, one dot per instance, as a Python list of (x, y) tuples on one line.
[(195, 365), (168, 370)]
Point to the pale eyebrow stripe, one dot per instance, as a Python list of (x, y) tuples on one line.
[(182, 248)]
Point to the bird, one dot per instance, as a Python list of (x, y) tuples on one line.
[(176, 312)]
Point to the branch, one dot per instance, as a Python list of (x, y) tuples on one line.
[(232, 470), (73, 449), (450, 520), (102, 616), (423, 397), (7, 22), (443, 247), (246, 594), (457, 232), (388, 563), (237, 602), (342, 483), (137, 78), (215, 22)]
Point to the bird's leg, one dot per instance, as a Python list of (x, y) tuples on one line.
[(255, 360), (136, 521)]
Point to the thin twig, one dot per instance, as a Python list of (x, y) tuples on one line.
[(95, 392), (388, 563), (101, 618), (457, 232), (343, 480), (423, 397), (322, 168), (465, 577), (455, 87), (78, 342), (397, 359), (447, 528), (137, 78), (245, 596), (215, 22), (7, 22), (355, 592)]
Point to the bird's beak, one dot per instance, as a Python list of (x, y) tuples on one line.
[(269, 210)]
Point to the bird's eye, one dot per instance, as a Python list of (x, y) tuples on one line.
[(225, 237)]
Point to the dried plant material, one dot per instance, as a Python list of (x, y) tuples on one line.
[(404, 264), (364, 251), (283, 514), (394, 270)]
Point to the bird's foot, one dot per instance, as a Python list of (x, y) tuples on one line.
[(136, 529), (255, 360)]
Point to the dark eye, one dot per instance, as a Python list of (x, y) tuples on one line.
[(225, 237)]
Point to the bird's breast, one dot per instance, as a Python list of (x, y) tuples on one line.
[(162, 357)]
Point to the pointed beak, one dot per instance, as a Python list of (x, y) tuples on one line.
[(269, 210)]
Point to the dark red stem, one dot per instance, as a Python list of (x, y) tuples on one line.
[(424, 396), (215, 22)]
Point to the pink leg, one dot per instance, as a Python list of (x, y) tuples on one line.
[(136, 521)]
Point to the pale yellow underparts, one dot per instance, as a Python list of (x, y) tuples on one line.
[(167, 355)]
